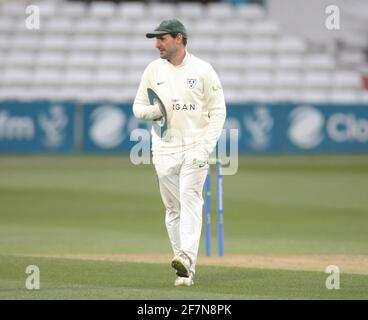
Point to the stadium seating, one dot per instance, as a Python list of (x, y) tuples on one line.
[(98, 51)]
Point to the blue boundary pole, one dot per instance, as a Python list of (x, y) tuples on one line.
[(220, 208), (207, 206)]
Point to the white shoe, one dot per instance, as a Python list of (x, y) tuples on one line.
[(182, 264), (184, 281)]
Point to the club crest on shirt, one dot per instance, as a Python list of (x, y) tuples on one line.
[(191, 83)]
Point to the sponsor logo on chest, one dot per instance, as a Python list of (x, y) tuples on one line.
[(177, 105), (185, 106), (191, 83)]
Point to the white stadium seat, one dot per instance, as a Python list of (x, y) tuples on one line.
[(140, 61), (313, 96), (317, 80), (48, 9), (132, 78), (43, 92), (25, 59), (36, 94), (72, 9), (234, 96), (235, 27), (352, 57), (47, 77), (85, 42), (73, 93), (3, 61), (219, 11), (291, 45), (257, 79), (13, 8), (343, 96), (229, 45), (1, 78), (62, 25), (250, 12), (81, 60), (203, 28), (12, 93), (114, 43), (89, 26), (201, 44), (160, 11), (78, 77), (4, 41), (256, 95), (142, 28), (16, 76), (354, 39), (102, 9), (320, 61), (230, 62), (231, 79), (129, 92), (26, 42), (259, 61), (140, 44), (265, 28), (363, 97), (208, 56), (110, 60), (289, 62), (7, 24), (132, 10), (111, 78), (287, 80), (347, 79), (261, 45), (28, 94), (191, 11), (118, 26), (59, 42), (284, 95), (106, 94), (51, 59)]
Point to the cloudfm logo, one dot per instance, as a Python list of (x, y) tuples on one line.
[(259, 125), (107, 129), (53, 123), (306, 124)]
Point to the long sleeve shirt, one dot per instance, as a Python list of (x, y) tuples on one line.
[(194, 101)]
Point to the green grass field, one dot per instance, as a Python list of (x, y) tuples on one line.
[(311, 207)]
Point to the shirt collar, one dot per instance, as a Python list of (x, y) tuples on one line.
[(185, 60), (183, 63)]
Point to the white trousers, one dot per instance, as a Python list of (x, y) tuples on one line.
[(181, 184)]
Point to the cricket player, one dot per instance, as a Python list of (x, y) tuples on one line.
[(191, 93)]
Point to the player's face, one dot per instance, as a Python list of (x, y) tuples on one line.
[(168, 46)]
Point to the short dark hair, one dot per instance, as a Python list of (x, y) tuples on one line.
[(185, 40)]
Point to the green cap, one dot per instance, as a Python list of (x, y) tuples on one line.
[(168, 26)]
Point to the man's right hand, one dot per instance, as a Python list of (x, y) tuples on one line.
[(157, 107), (155, 112)]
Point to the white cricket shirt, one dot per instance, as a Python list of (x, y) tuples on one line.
[(194, 100)]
